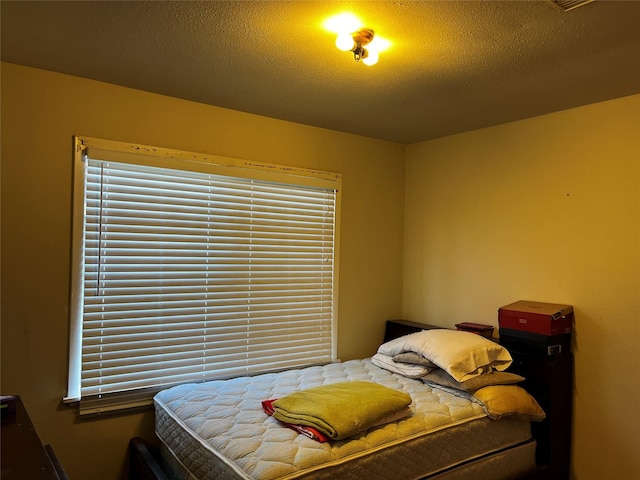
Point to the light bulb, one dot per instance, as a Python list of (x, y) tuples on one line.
[(371, 58), (379, 44), (344, 22), (345, 42)]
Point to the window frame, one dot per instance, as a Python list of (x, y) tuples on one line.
[(124, 152)]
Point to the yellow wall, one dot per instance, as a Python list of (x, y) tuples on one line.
[(41, 111), (544, 209)]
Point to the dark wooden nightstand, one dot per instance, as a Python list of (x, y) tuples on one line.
[(549, 378)]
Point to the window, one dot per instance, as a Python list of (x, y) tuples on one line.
[(188, 267)]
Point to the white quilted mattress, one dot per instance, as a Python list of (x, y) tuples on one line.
[(218, 430)]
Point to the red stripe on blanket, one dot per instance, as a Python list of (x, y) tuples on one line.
[(267, 406)]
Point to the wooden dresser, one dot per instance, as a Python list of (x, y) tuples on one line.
[(23, 454)]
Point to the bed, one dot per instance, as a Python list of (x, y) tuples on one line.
[(220, 430)]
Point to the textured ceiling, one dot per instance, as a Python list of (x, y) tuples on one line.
[(452, 67)]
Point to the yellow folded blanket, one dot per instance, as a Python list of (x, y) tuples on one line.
[(341, 410)]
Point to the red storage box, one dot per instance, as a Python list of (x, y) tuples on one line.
[(536, 317)]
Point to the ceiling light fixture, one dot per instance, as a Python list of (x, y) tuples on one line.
[(356, 42), (352, 36)]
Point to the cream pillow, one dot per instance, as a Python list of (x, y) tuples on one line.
[(463, 355)]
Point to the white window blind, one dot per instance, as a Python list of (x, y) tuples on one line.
[(190, 276)]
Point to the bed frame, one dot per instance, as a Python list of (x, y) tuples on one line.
[(552, 455), (143, 461)]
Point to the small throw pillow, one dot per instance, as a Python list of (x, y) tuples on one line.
[(510, 400)]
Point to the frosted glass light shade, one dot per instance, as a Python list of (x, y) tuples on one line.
[(371, 59), (345, 42)]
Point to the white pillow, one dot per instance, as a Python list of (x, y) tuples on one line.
[(463, 355)]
